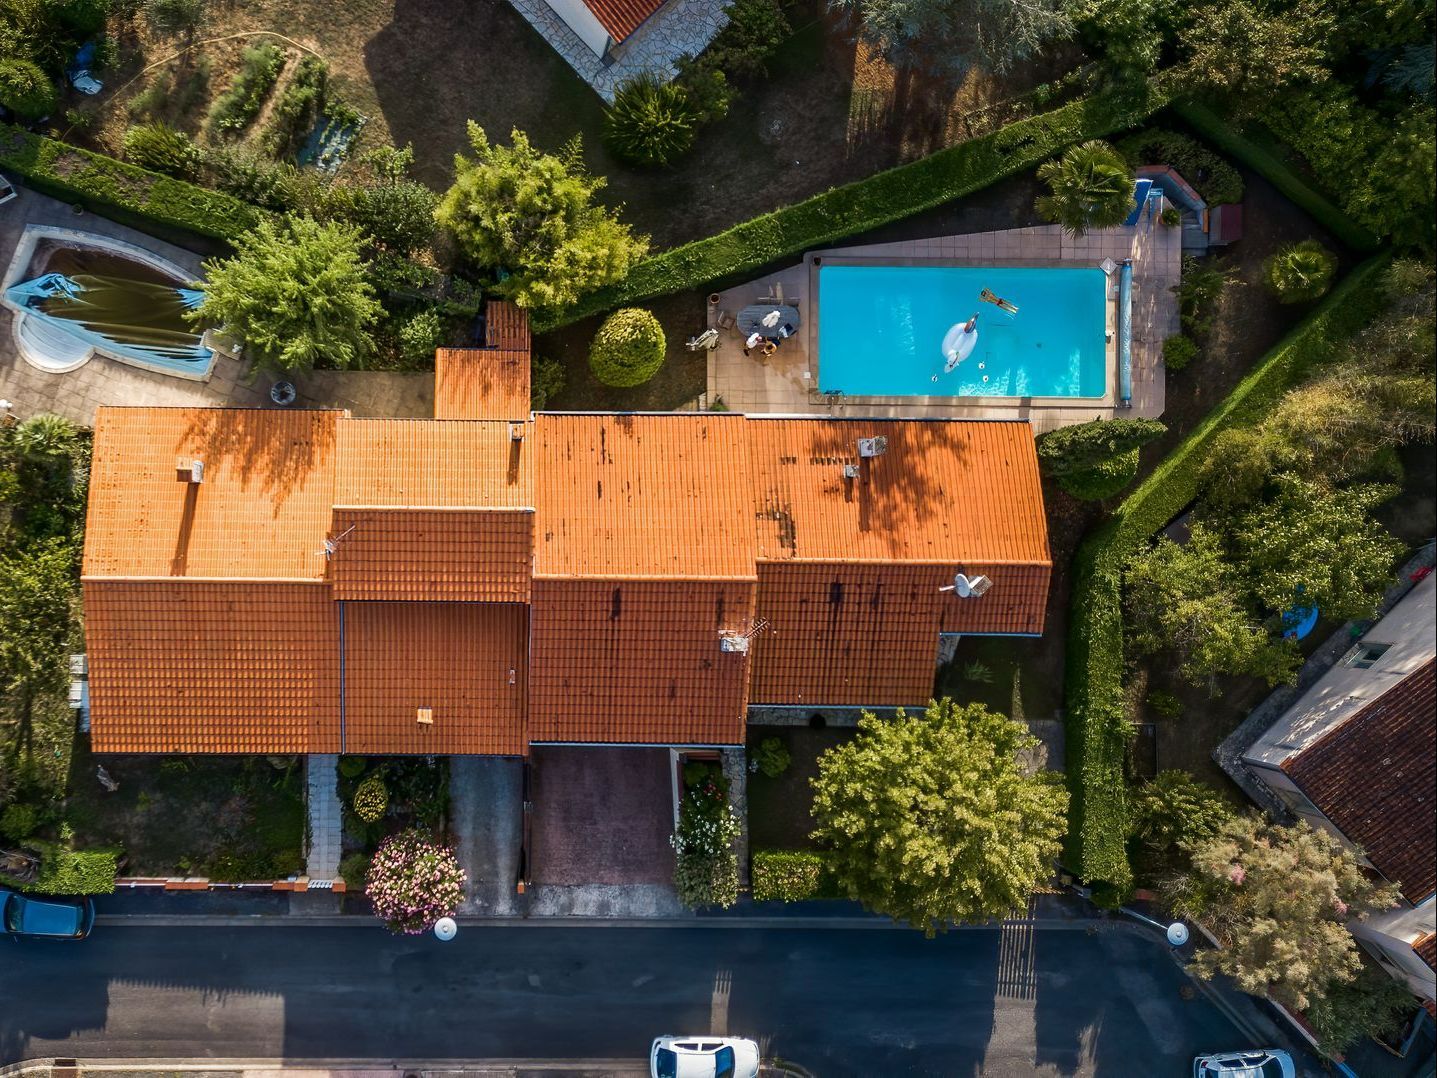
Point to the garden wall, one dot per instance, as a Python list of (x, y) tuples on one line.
[(1098, 730)]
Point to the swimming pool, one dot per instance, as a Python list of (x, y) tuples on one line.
[(881, 330)]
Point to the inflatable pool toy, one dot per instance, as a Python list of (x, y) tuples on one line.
[(959, 342)]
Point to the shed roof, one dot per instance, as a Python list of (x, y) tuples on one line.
[(481, 383)]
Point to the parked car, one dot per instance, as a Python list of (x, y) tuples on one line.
[(7, 190), (1254, 1063), (703, 1057), (32, 917)]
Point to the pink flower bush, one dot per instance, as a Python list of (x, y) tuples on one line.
[(1237, 874), (413, 881)]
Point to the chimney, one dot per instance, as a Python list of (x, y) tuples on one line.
[(425, 716), (191, 471), (516, 431)]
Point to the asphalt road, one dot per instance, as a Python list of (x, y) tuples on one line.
[(841, 1001)]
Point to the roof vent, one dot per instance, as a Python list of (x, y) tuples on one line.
[(851, 471), (425, 715), (968, 587), (872, 447), (516, 432), (734, 642)]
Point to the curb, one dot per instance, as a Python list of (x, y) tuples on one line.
[(260, 920), (609, 1068)]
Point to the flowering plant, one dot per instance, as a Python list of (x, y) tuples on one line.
[(413, 881), (705, 862), (371, 800)]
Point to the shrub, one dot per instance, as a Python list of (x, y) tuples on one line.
[(353, 869), (233, 110), (72, 872), (705, 862), (782, 876), (351, 767), (1165, 704), (371, 799), (651, 123), (25, 89), (772, 757), (398, 216), (413, 881), (546, 381), (1179, 351), (18, 822), (1174, 811), (1373, 1005), (159, 147), (419, 335), (1078, 449), (1198, 292), (1104, 479), (752, 36), (1171, 216), (1210, 175), (297, 108), (241, 172), (629, 348), (1300, 273)]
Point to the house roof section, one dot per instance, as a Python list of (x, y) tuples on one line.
[(506, 325), (1375, 778), (432, 555), (642, 496), (481, 383), (945, 492), (192, 666), (622, 17), (432, 464), (638, 661), (1426, 948), (466, 663), (260, 511)]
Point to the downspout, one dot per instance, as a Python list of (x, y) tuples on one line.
[(1125, 335), (341, 677)]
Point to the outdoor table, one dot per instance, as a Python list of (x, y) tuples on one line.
[(750, 319)]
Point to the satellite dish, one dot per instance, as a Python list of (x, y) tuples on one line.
[(445, 929), (1177, 934), (968, 587)]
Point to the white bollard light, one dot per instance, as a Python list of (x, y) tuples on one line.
[(445, 929)]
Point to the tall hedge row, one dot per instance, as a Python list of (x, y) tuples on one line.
[(75, 175), (866, 204), (1097, 728)]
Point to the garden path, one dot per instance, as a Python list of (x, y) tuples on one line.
[(325, 822)]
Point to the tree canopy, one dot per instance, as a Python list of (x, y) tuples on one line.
[(934, 818), (532, 216), (1092, 187)]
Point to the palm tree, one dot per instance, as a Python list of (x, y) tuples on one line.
[(45, 436), (1092, 188)]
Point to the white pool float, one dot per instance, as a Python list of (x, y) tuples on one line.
[(959, 342)]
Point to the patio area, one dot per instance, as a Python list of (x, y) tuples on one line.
[(786, 381)]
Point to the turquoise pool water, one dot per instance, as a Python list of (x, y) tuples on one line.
[(881, 328)]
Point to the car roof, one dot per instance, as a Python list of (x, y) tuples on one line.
[(49, 917)]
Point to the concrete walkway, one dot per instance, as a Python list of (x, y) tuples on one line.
[(486, 810), (325, 816)]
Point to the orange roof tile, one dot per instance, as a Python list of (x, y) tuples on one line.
[(481, 383), (261, 510), (506, 325), (190, 666), (631, 496), (622, 17), (944, 491), (471, 555), (638, 661), (464, 662), (849, 634), (432, 464)]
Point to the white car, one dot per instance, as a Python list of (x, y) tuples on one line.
[(1254, 1063), (703, 1057)]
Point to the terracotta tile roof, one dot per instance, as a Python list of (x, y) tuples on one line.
[(664, 496), (451, 658), (431, 464), (431, 555), (849, 634), (622, 17), (506, 325), (481, 383), (1375, 778), (638, 661), (189, 666), (944, 491), (261, 510), (1426, 948)]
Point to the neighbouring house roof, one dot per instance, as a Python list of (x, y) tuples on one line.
[(638, 661), (481, 383), (1375, 778), (506, 325), (261, 510), (622, 17), (430, 464), (634, 496), (466, 663), (1426, 948), (229, 667), (431, 555)]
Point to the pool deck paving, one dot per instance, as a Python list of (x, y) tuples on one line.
[(786, 382)]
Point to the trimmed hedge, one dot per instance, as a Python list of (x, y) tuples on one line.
[(1277, 172), (75, 175), (858, 207), (1096, 719), (789, 876), (72, 872)]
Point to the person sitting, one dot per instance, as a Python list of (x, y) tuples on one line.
[(754, 340)]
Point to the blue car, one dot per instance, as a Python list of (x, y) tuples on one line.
[(31, 917)]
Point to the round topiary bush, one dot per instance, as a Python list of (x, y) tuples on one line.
[(1300, 273), (413, 881), (772, 757), (629, 348), (371, 799), (651, 124), (1179, 351), (1103, 479), (25, 89)]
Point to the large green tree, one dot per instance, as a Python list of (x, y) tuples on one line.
[(1092, 187), (936, 818), (295, 291), (955, 35), (1248, 50), (532, 216), (1279, 900)]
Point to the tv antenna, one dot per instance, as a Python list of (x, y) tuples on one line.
[(331, 545)]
